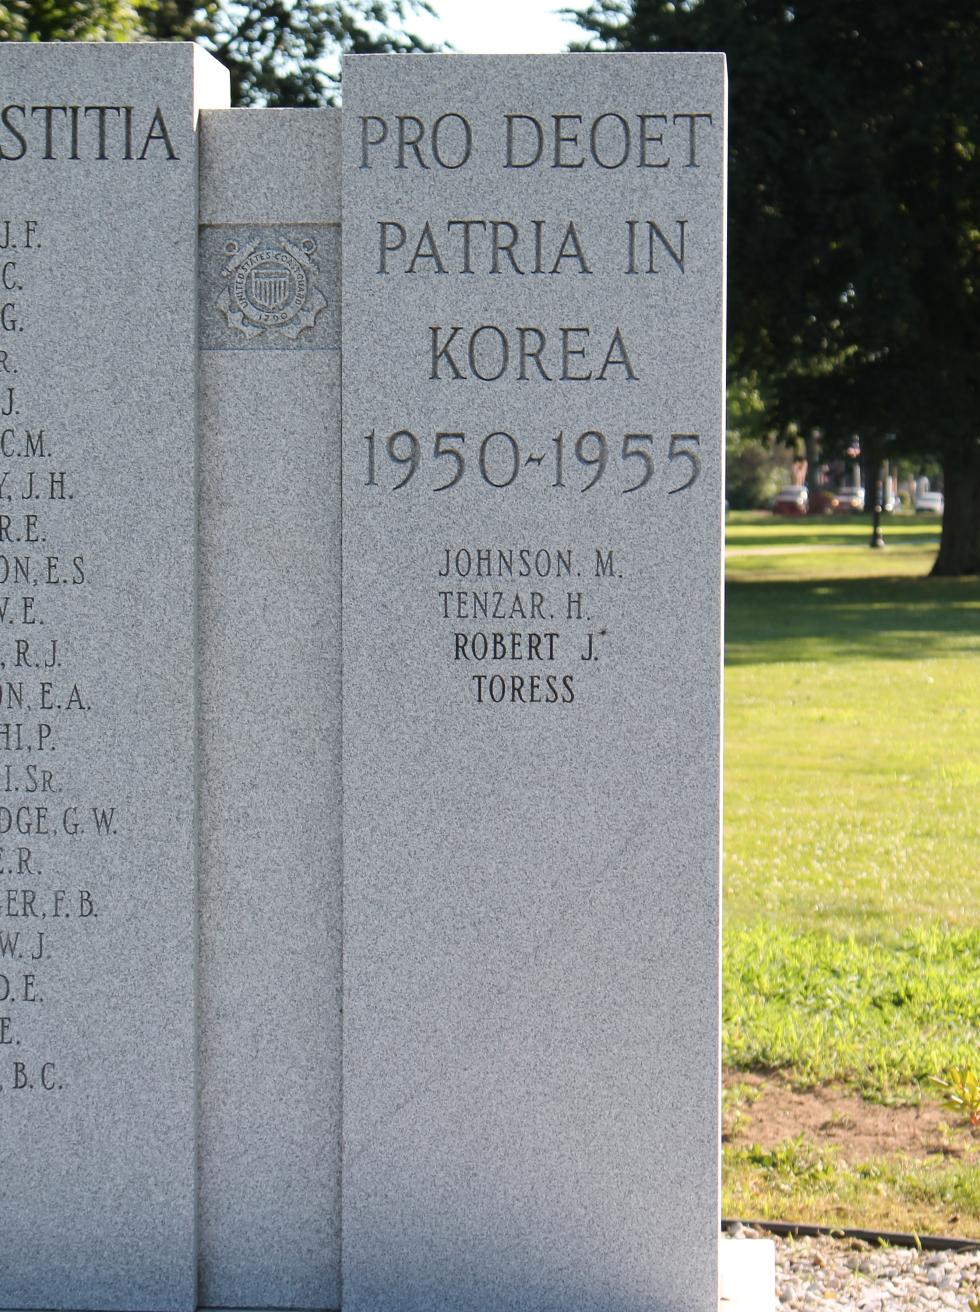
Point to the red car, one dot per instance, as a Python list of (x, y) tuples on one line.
[(791, 501)]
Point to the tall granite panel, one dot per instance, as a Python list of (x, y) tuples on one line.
[(270, 709), (532, 409), (98, 234)]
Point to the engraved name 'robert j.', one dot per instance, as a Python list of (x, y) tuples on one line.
[(84, 132)]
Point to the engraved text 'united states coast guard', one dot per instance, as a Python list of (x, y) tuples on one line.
[(270, 288)]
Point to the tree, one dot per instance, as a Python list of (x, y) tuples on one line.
[(278, 52), (275, 50), (854, 218), (69, 20)]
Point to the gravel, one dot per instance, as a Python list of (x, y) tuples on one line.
[(849, 1275)]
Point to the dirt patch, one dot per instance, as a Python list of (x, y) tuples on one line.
[(767, 1110)]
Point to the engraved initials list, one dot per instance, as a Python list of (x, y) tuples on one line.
[(46, 810)]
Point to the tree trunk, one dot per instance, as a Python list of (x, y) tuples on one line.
[(812, 449), (959, 547)]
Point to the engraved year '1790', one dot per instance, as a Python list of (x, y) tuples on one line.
[(576, 460)]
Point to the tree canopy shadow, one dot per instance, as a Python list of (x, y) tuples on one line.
[(846, 619)]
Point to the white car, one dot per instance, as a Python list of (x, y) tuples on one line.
[(929, 503)]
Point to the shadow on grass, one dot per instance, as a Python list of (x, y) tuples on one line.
[(841, 619), (851, 533)]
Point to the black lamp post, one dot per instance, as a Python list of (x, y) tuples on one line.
[(877, 540)]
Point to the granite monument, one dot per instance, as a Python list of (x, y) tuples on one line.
[(360, 678)]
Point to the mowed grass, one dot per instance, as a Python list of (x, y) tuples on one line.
[(880, 1016), (806, 1183), (852, 734), (761, 546), (852, 845)]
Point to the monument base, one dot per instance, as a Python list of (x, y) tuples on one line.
[(746, 1278), (747, 1275)]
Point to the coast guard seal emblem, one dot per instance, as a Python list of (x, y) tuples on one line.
[(271, 288)]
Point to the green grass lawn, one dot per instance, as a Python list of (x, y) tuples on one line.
[(852, 732), (814, 1185), (852, 817)]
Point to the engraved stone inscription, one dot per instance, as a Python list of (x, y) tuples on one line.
[(45, 809), (98, 872), (533, 441), (275, 288)]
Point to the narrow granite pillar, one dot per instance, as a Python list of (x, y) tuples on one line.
[(533, 457), (270, 709), (98, 308)]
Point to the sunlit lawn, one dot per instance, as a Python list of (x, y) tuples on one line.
[(852, 728), (852, 836)]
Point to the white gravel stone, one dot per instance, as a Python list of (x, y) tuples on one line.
[(846, 1275)]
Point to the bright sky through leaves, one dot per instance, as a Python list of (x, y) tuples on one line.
[(498, 26)]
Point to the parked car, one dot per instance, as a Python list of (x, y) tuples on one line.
[(791, 501), (930, 503), (849, 499)]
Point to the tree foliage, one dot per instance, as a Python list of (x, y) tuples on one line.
[(284, 52), (854, 238), (278, 52), (69, 20)]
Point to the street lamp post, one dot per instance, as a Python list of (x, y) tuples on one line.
[(877, 539)]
